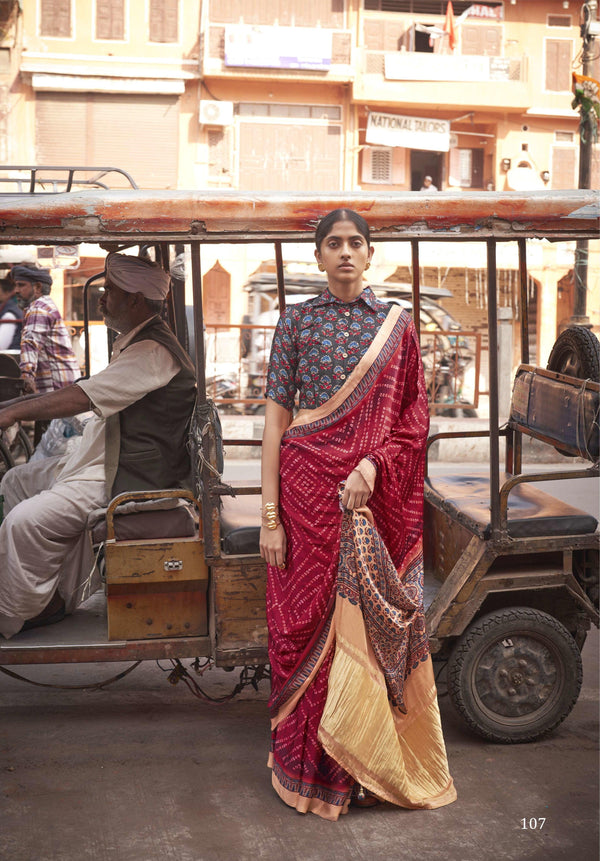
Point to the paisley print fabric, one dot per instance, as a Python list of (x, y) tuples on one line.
[(391, 602)]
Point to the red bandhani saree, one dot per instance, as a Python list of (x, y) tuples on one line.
[(353, 693)]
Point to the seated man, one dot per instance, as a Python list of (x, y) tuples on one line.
[(143, 402)]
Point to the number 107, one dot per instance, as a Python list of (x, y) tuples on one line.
[(533, 824)]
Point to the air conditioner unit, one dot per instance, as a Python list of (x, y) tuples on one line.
[(216, 113)]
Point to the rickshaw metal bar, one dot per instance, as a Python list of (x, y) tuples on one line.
[(416, 287), (493, 387), (241, 490), (524, 305), (280, 277), (68, 183), (198, 322), (460, 434), (524, 300), (119, 650), (177, 216), (510, 454), (477, 369), (164, 255), (535, 477), (472, 564), (178, 303), (210, 512), (86, 321)]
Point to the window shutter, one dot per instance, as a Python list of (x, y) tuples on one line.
[(56, 18), (563, 168), (377, 165), (164, 20), (110, 19), (98, 128), (341, 48), (460, 167), (219, 153), (558, 65)]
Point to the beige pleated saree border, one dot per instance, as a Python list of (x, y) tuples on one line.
[(306, 417)]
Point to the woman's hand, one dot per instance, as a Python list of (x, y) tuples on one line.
[(356, 492), (273, 545)]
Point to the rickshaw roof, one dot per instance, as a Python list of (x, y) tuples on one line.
[(136, 216)]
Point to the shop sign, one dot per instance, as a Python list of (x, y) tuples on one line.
[(416, 66), (277, 47), (494, 13), (411, 132)]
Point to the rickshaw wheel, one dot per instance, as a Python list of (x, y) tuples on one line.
[(515, 675), (17, 450)]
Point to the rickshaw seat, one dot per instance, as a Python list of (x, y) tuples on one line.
[(240, 524), (531, 512), (134, 521)]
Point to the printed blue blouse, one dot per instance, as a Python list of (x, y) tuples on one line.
[(318, 343)]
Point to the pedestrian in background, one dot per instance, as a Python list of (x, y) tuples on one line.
[(10, 317), (47, 358), (428, 184)]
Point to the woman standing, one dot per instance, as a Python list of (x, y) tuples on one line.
[(353, 703)]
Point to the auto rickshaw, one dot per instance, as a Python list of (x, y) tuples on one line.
[(183, 576)]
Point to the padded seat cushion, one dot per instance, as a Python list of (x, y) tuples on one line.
[(240, 524), (143, 521), (531, 512)]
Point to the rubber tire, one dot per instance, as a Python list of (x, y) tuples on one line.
[(560, 658), (576, 353), (6, 459)]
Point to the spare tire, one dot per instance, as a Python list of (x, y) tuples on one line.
[(576, 353)]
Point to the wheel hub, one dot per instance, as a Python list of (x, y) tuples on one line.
[(516, 676)]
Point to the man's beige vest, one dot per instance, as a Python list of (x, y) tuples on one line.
[(146, 443)]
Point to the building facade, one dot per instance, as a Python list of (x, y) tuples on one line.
[(307, 95)]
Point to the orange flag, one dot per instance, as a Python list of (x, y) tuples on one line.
[(450, 25)]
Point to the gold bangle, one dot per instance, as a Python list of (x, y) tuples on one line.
[(270, 515)]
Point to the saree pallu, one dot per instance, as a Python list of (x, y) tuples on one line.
[(353, 695)]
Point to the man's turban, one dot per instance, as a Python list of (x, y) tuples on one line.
[(26, 273), (135, 275)]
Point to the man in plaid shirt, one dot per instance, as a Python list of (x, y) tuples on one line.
[(47, 360)]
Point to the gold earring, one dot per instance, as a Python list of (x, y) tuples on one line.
[(321, 267), (368, 264)]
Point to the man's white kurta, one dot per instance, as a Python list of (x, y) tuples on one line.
[(43, 541)]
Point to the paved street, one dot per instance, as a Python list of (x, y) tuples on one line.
[(143, 771)]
